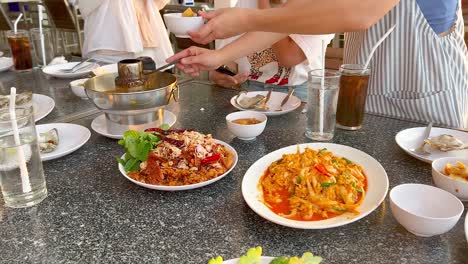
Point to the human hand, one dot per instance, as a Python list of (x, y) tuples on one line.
[(195, 59), (227, 81), (222, 23)]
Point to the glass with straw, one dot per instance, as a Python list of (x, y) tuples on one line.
[(20, 47), (21, 174)]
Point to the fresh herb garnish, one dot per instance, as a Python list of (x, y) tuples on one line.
[(334, 161), (347, 161), (137, 146), (328, 184), (298, 180), (322, 150), (341, 209)]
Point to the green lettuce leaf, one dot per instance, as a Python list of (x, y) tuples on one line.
[(217, 260), (252, 256)]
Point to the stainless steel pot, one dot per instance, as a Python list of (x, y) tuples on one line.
[(127, 102)]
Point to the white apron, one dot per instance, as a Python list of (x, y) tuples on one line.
[(416, 75)]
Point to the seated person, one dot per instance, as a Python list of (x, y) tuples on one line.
[(285, 64), (117, 30)]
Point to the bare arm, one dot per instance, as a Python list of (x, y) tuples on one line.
[(289, 54), (320, 16)]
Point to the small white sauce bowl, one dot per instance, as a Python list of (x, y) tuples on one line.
[(78, 89), (246, 132), (425, 210), (457, 187), (179, 25)]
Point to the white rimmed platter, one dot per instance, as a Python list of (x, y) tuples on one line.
[(99, 124), (5, 63), (263, 260), (273, 104), (185, 187), (42, 106), (56, 70), (377, 186), (466, 226), (71, 138), (411, 138)]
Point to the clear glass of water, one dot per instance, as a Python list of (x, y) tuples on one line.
[(323, 86), (21, 175)]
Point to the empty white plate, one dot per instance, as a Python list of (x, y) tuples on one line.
[(411, 138), (99, 124), (71, 138), (273, 104), (42, 105), (5, 63), (55, 70)]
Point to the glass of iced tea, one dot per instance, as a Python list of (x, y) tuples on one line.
[(20, 49), (354, 82)]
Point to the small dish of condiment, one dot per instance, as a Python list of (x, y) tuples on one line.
[(451, 174), (246, 121), (246, 125)]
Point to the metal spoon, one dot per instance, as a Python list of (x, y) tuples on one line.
[(76, 67), (420, 150), (285, 100)]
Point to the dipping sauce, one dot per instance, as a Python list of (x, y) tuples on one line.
[(247, 121)]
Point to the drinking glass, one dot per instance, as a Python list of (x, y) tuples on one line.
[(352, 97), (20, 49), (48, 45), (322, 97), (21, 175)]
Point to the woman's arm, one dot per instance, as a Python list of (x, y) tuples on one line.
[(288, 53), (296, 16)]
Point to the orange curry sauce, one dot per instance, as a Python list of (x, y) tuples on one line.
[(284, 207)]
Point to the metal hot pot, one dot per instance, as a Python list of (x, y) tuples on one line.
[(132, 98)]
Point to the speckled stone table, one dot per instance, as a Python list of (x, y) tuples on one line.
[(95, 215)]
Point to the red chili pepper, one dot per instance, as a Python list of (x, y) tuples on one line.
[(175, 142), (155, 129), (322, 169), (211, 159)]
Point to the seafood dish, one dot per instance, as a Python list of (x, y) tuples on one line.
[(247, 102), (48, 141), (446, 143), (457, 172), (313, 185), (21, 99), (254, 256), (173, 157)]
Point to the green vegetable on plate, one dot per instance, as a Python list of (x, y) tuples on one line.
[(138, 145)]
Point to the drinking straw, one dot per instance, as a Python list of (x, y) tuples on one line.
[(322, 91), (41, 34), (15, 25), (377, 45), (20, 152)]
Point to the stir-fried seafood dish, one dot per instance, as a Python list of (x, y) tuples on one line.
[(313, 185), (446, 143), (179, 157)]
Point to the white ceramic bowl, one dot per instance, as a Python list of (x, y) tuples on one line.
[(246, 132), (425, 210), (459, 188), (179, 25), (78, 89)]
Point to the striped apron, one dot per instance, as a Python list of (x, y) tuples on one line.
[(416, 75)]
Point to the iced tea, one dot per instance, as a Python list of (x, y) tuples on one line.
[(20, 49), (354, 83)]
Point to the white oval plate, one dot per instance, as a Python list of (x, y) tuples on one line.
[(466, 226), (54, 70), (377, 187), (42, 105), (71, 138), (99, 124), (5, 63), (273, 104), (184, 187), (263, 260), (411, 138)]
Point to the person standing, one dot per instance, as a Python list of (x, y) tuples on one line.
[(419, 73), (124, 29)]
